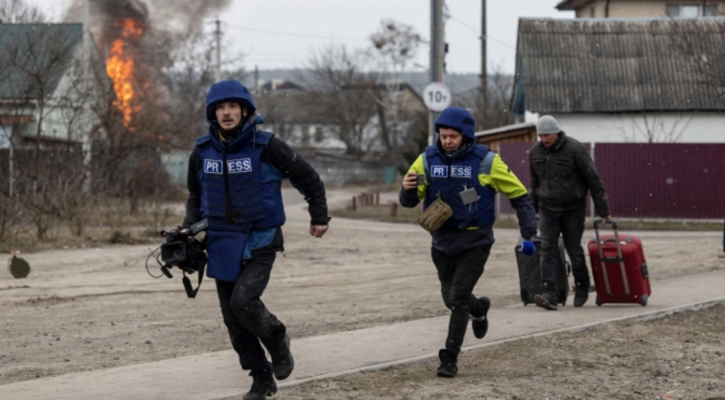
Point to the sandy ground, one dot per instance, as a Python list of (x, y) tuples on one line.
[(89, 309)]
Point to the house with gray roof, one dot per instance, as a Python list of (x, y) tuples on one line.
[(642, 8), (47, 84), (624, 80)]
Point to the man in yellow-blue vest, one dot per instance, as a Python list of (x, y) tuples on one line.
[(465, 175)]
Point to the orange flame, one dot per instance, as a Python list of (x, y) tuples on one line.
[(120, 68)]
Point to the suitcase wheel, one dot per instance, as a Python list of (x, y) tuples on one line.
[(643, 300), (597, 301), (524, 297)]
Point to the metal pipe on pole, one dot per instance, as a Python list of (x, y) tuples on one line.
[(256, 80), (218, 35), (11, 162), (484, 74), (86, 140), (437, 54)]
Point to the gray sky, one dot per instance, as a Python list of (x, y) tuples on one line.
[(282, 33)]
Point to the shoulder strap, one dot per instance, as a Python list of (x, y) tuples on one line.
[(200, 260), (262, 137), (191, 293), (204, 139), (487, 163)]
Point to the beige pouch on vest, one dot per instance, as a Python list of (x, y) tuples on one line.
[(435, 215)]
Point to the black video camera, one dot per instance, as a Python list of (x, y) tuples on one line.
[(178, 252)]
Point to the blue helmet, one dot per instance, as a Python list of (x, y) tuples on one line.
[(230, 90), (459, 119)]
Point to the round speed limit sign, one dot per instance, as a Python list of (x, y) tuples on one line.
[(437, 96)]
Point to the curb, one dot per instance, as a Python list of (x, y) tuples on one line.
[(637, 318)]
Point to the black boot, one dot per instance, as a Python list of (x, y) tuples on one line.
[(262, 386), (480, 323), (547, 300), (282, 361), (581, 294), (448, 368)]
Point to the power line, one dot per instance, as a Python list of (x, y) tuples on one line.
[(502, 43), (299, 35)]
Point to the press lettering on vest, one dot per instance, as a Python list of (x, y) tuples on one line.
[(213, 167), (460, 171), (239, 166), (439, 171)]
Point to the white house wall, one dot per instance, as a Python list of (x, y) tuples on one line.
[(699, 127)]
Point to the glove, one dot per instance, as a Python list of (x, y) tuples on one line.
[(528, 248)]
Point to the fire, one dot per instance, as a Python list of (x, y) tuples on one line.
[(120, 68)]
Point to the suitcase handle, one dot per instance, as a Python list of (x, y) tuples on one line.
[(609, 221), (619, 258)]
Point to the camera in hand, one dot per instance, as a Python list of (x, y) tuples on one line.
[(178, 252)]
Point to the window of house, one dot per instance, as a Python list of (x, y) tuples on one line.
[(5, 132), (319, 136), (690, 10), (305, 134)]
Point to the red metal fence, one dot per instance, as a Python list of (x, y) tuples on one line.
[(646, 180)]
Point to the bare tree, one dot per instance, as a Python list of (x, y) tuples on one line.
[(186, 80), (45, 99), (496, 113), (654, 128), (400, 116), (18, 11), (342, 97)]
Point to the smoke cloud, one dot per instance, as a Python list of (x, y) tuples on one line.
[(166, 18)]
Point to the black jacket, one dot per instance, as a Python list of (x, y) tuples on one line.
[(561, 176), (302, 175)]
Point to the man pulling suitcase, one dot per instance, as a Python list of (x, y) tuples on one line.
[(562, 172)]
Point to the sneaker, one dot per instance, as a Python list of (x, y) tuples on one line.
[(262, 387), (581, 294), (480, 324), (282, 361), (448, 367), (546, 300)]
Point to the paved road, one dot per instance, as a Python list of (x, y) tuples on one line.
[(216, 375)]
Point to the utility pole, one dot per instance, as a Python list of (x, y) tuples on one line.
[(11, 161), (86, 140), (86, 43), (484, 74), (437, 54), (218, 35), (256, 80)]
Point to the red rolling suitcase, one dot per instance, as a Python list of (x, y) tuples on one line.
[(619, 268)]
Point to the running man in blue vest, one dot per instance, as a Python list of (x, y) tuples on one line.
[(465, 175), (235, 173)]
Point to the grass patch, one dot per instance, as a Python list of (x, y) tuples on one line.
[(384, 213), (104, 226)]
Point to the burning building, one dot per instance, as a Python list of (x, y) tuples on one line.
[(136, 39)]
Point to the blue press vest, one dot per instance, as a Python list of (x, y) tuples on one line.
[(451, 176), (255, 200)]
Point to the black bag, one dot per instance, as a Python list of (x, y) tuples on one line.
[(530, 272)]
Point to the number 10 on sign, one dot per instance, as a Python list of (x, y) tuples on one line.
[(437, 96)]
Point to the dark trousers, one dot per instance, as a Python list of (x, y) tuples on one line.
[(570, 225), (245, 315), (458, 276)]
